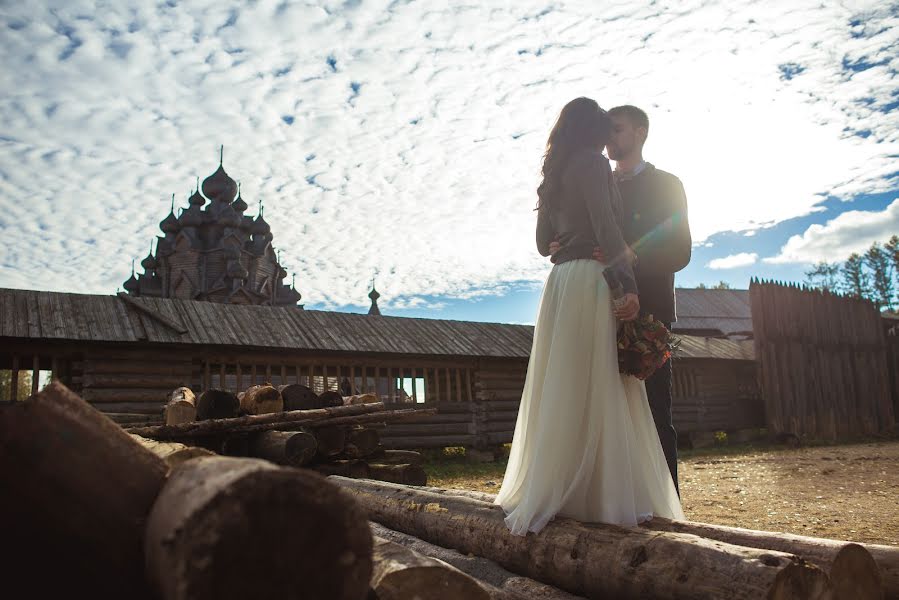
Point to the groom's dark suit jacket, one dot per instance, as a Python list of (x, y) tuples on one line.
[(654, 223)]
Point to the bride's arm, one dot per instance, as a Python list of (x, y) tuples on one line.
[(593, 177), (545, 233)]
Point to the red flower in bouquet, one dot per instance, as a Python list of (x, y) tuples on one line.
[(644, 345)]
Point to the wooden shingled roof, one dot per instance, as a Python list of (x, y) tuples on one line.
[(39, 315), (95, 318)]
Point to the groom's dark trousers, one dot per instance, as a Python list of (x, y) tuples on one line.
[(654, 223)]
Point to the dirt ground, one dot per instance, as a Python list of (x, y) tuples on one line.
[(848, 492)]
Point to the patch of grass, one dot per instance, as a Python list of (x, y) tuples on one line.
[(449, 467)]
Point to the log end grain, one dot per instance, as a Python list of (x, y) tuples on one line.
[(854, 574), (400, 573), (244, 528), (217, 404), (801, 581)]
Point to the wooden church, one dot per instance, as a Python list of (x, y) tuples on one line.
[(213, 251)]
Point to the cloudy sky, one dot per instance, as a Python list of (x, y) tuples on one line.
[(405, 137)]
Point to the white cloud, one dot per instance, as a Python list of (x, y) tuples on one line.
[(405, 138), (743, 259), (852, 231)]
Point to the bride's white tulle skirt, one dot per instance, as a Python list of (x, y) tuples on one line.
[(585, 443)]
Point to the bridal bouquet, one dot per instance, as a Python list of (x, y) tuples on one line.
[(644, 345)]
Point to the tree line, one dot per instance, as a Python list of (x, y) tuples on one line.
[(873, 275)]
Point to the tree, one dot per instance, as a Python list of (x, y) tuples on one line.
[(721, 285), (824, 275), (892, 248), (856, 281), (23, 388), (878, 260)]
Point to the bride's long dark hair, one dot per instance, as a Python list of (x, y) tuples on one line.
[(581, 124)]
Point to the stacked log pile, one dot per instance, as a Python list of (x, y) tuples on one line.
[(292, 426), (101, 512), (660, 560), (120, 515)]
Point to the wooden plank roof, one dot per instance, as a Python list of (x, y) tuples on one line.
[(727, 311), (40, 315)]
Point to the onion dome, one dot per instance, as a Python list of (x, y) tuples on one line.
[(228, 217), (131, 286), (170, 223), (149, 263), (196, 199), (239, 205), (260, 226), (219, 186), (192, 217), (236, 271), (374, 295)]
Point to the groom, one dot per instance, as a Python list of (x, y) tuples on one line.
[(654, 224)]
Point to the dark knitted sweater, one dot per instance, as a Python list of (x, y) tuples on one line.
[(585, 210), (655, 226)]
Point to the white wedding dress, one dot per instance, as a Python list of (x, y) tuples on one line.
[(585, 443)]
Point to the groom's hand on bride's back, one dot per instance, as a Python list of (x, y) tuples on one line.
[(554, 246)]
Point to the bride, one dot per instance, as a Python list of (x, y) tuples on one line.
[(585, 444)]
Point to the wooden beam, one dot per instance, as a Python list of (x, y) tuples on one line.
[(14, 380), (35, 373), (177, 327)]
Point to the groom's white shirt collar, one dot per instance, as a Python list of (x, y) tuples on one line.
[(619, 174)]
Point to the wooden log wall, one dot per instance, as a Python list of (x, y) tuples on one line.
[(715, 395), (822, 363), (131, 380)]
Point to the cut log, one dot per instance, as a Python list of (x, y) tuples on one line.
[(217, 404), (289, 448), (855, 575), (331, 441), (397, 457), (819, 551), (261, 400), (134, 419), (172, 453), (404, 474), (142, 408), (400, 573), (635, 562), (230, 527), (78, 490), (360, 399), (361, 442), (482, 569), (330, 398), (845, 561), (298, 397), (120, 395), (425, 441), (182, 407), (285, 421), (356, 469)]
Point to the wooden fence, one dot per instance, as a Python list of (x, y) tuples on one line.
[(822, 363)]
